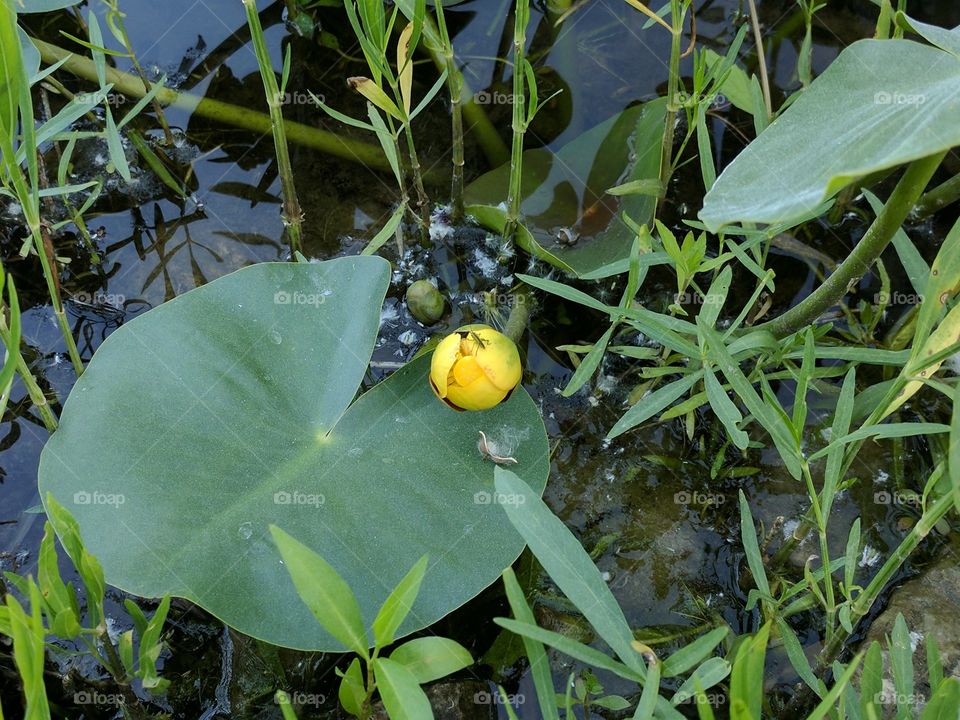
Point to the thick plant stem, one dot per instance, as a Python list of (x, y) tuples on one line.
[(673, 90), (519, 125), (455, 86), (33, 390), (864, 601), (939, 197), (478, 123), (519, 313), (292, 214), (327, 142), (873, 243), (423, 202)]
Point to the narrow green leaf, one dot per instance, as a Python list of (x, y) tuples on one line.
[(431, 93), (791, 643), (115, 147), (150, 646), (588, 366), (901, 662), (125, 650), (351, 692), (709, 673), (387, 141), (944, 704), (650, 694), (916, 267), (398, 604), (716, 296), (568, 564), (748, 534), (644, 186), (431, 658), (934, 664), (536, 654), (725, 409), (693, 653), (841, 425), (401, 693), (651, 404), (386, 232), (569, 646), (324, 592), (372, 92), (830, 699), (86, 564), (708, 170), (886, 431), (746, 676), (871, 682)]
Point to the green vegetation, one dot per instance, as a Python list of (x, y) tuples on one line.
[(267, 448)]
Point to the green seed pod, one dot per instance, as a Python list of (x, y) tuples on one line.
[(425, 302)]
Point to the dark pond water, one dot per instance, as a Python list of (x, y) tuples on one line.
[(665, 531)]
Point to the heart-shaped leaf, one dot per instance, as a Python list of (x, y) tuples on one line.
[(228, 409), (871, 109)]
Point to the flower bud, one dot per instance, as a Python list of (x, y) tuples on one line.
[(425, 302), (475, 368)]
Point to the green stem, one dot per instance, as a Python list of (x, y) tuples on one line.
[(327, 142), (478, 123), (831, 604), (292, 214), (31, 210), (519, 125), (114, 665), (423, 202), (761, 60), (873, 243), (157, 107), (519, 313), (939, 197), (865, 600), (673, 90), (455, 86), (33, 390)]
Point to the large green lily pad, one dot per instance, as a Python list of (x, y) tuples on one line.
[(880, 104), (227, 409), (569, 188)]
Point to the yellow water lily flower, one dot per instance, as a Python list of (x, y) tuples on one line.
[(475, 368)]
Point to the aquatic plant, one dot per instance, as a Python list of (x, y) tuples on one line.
[(54, 610), (736, 678), (256, 420), (396, 677), (292, 214)]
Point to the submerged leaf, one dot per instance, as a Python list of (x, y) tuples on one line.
[(568, 189)]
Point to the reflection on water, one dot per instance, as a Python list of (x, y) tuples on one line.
[(664, 530)]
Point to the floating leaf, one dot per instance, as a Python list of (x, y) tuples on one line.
[(849, 123), (200, 423)]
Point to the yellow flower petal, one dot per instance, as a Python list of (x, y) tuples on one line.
[(444, 357), (498, 356), (466, 370), (478, 395)]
